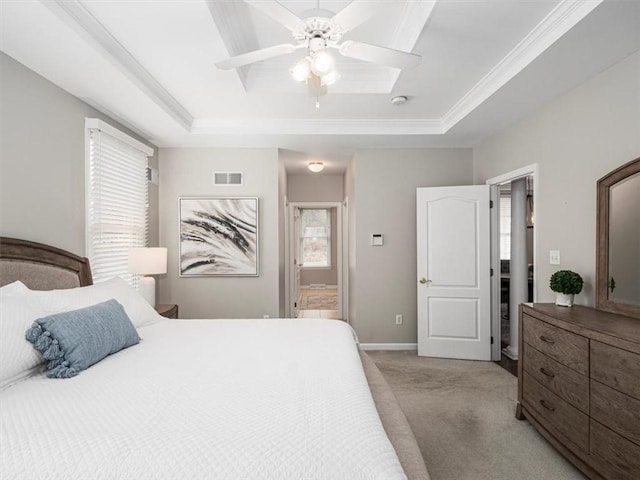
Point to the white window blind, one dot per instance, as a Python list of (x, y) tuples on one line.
[(117, 200), (315, 237)]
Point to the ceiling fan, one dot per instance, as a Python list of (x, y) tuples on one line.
[(320, 31)]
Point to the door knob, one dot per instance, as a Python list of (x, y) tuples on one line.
[(424, 280)]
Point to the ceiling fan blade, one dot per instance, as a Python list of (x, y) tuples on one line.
[(380, 55), (354, 14), (278, 13), (256, 56)]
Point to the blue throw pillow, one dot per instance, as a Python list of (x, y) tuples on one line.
[(73, 341)]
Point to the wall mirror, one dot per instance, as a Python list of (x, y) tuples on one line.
[(618, 241)]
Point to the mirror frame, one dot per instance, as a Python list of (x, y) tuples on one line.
[(602, 241)]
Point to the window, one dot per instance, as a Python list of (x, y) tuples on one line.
[(116, 200), (315, 237)]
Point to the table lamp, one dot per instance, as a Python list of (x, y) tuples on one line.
[(148, 261)]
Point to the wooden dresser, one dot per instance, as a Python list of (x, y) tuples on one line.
[(579, 385)]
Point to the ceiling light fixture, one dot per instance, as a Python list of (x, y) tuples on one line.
[(316, 167), (300, 72), (317, 69), (399, 100), (322, 63)]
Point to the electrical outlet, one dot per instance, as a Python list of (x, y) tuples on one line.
[(399, 319), (265, 316), (554, 257)]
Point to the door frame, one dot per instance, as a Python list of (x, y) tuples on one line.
[(290, 249), (529, 170)]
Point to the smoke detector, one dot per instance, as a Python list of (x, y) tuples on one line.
[(399, 100)]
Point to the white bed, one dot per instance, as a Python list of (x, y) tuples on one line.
[(219, 399)]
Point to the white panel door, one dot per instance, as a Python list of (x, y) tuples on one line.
[(454, 287)]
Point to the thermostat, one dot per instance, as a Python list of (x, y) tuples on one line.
[(377, 239)]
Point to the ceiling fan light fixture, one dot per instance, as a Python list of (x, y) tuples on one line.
[(316, 167), (330, 78), (322, 63), (300, 72)]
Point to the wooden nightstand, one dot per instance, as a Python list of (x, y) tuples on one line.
[(168, 310)]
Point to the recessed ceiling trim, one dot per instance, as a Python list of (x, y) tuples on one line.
[(78, 17), (118, 118), (558, 22), (296, 126)]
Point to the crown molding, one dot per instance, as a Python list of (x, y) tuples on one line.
[(143, 134), (82, 20), (557, 23), (304, 126)]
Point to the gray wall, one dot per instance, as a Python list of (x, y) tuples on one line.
[(319, 188), (315, 188), (42, 161), (189, 172), (385, 278), (576, 139)]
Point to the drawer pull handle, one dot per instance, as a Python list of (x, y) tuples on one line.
[(547, 406), (546, 372), (547, 340)]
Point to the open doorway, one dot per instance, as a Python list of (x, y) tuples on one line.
[(315, 260), (513, 256), (317, 233)]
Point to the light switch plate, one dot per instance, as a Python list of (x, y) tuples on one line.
[(554, 257)]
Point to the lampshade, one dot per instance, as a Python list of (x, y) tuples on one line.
[(330, 78), (301, 70), (316, 167), (322, 63), (148, 261)]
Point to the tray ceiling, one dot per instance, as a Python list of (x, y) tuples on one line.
[(151, 65)]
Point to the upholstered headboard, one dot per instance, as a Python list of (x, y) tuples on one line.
[(41, 267)]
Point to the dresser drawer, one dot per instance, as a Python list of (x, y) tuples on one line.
[(559, 417), (615, 457), (565, 347), (619, 412), (564, 382), (616, 368)]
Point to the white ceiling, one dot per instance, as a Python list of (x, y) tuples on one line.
[(150, 64)]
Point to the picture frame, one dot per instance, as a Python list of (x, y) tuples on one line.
[(219, 236)]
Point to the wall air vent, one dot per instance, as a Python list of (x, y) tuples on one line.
[(227, 178)]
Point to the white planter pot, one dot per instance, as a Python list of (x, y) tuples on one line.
[(564, 299)]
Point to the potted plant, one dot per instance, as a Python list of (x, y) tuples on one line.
[(566, 284)]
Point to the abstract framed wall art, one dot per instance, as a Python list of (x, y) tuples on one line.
[(218, 236)]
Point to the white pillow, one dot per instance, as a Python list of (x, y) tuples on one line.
[(65, 300), (18, 358), (14, 288)]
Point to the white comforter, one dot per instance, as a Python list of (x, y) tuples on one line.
[(204, 399)]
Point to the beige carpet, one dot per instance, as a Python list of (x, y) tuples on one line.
[(462, 414)]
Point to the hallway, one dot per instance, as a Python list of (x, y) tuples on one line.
[(318, 302)]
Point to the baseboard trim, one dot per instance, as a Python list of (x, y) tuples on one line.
[(388, 346)]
